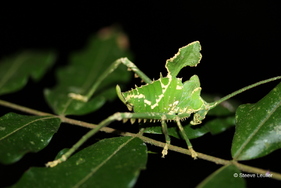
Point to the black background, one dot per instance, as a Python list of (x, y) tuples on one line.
[(240, 45)]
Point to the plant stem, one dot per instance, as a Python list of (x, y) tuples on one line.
[(24, 109), (242, 90), (216, 160)]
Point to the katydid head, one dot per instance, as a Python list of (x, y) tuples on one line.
[(122, 98)]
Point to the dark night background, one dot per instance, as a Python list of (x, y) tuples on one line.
[(240, 45)]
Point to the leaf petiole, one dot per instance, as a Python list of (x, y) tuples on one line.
[(214, 104)]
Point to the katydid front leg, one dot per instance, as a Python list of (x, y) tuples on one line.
[(131, 67), (119, 117)]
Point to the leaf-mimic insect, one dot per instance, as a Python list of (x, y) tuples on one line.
[(162, 100)]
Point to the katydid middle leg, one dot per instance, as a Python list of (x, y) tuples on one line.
[(167, 138), (189, 145)]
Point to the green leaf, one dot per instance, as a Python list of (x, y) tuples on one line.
[(226, 176), (20, 134), (174, 131), (85, 68), (214, 126), (188, 55), (114, 162), (190, 130), (258, 129), (15, 70), (219, 125)]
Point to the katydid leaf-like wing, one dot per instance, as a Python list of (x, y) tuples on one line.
[(187, 56), (157, 96), (114, 162), (20, 134), (85, 69), (15, 70), (258, 129), (167, 95), (191, 100)]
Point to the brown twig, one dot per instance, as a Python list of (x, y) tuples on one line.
[(216, 160)]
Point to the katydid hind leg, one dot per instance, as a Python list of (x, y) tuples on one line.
[(131, 66), (125, 61)]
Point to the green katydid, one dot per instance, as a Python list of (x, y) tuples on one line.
[(165, 99)]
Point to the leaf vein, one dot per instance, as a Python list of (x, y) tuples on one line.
[(16, 130), (100, 165), (249, 138)]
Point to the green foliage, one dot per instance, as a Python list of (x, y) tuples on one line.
[(84, 70), (227, 176), (258, 129), (15, 70), (21, 134), (114, 161), (118, 161)]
